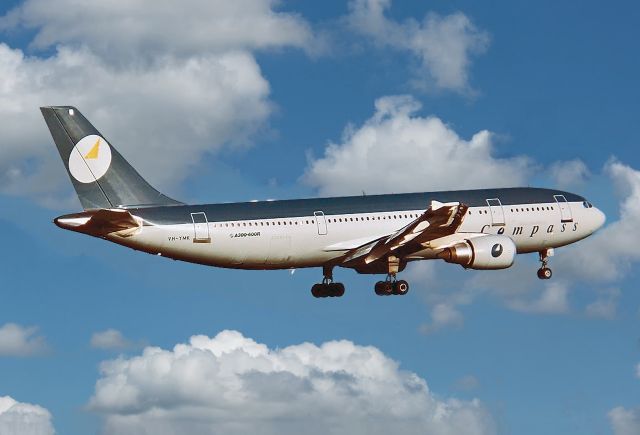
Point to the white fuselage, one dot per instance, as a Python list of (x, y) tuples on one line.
[(314, 240)]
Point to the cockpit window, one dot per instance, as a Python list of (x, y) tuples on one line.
[(587, 204)]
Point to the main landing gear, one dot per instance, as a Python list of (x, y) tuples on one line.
[(327, 288), (544, 272), (391, 286)]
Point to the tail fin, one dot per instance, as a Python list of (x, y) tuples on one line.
[(101, 176)]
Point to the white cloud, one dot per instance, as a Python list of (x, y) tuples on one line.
[(442, 315), (398, 151), (569, 174), (180, 83), (608, 255), (553, 300), (147, 28), (605, 306), (467, 383), (232, 384), (18, 418), (17, 340), (625, 421), (443, 46), (179, 110), (110, 339)]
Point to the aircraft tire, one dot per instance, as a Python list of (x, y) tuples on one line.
[(337, 289), (545, 273), (318, 291), (401, 287)]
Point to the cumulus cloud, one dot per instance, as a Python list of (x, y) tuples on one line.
[(17, 340), (605, 306), (147, 28), (467, 383), (110, 339), (18, 418), (442, 45), (442, 315), (569, 174), (552, 300), (396, 150), (152, 88), (608, 255), (232, 384), (625, 421), (179, 110)]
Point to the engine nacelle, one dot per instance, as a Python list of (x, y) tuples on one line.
[(482, 252)]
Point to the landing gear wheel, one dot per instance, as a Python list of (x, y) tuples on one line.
[(335, 289), (327, 289), (384, 288), (544, 273), (401, 287), (317, 290)]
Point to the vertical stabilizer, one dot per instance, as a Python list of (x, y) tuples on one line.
[(101, 176)]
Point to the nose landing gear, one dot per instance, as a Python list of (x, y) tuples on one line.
[(544, 272), (327, 288)]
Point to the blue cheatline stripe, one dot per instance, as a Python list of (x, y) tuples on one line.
[(180, 214)]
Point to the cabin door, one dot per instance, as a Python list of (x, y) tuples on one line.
[(321, 221), (200, 228), (565, 208), (497, 213)]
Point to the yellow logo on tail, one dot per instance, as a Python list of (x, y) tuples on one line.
[(93, 152), (90, 159)]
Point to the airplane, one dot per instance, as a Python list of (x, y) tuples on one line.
[(372, 234)]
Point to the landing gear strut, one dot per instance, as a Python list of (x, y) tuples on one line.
[(391, 286), (327, 288), (544, 272)]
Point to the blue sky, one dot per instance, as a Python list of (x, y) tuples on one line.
[(279, 109)]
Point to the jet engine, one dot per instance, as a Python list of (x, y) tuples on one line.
[(482, 252)]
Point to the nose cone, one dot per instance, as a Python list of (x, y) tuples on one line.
[(599, 218)]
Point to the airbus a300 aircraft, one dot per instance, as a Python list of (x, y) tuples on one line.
[(376, 234)]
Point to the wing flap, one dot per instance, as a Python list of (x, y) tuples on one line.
[(439, 220)]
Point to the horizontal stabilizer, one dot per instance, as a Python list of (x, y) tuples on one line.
[(100, 223)]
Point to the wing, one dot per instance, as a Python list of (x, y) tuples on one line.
[(440, 220)]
